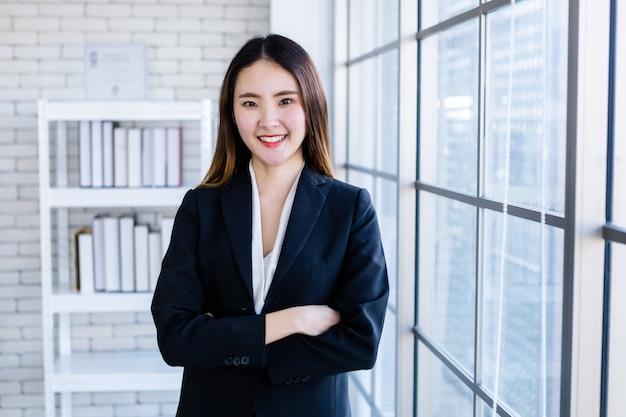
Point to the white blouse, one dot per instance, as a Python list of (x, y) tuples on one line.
[(263, 267)]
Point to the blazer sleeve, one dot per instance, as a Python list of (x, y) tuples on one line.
[(186, 335), (361, 300)]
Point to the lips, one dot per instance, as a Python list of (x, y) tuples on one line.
[(272, 139)]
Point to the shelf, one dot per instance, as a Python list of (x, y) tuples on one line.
[(123, 110), (116, 197), (74, 302), (112, 372)]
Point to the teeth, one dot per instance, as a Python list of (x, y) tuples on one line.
[(272, 139)]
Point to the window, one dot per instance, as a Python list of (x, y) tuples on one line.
[(371, 162), (495, 109), (614, 370)]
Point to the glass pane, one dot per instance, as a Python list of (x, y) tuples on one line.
[(528, 117), (385, 370), (435, 11), (449, 108), (440, 393), (386, 203), (617, 359), (388, 12), (520, 382), (447, 265), (373, 23), (362, 114), (387, 155), (362, 26), (619, 178)]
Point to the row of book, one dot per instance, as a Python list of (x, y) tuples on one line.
[(116, 254), (115, 156)]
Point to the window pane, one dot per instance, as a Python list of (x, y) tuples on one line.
[(449, 108), (617, 338), (527, 116), (447, 265), (619, 178), (435, 11), (362, 114), (386, 202), (373, 23), (521, 340), (362, 26), (387, 155), (439, 392), (388, 12)]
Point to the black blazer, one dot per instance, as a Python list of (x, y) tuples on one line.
[(332, 254)]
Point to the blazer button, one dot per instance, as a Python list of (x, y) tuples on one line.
[(236, 361), (228, 361), (245, 360)]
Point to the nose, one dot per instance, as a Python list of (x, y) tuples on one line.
[(269, 117)]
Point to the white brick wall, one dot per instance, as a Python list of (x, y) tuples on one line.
[(189, 44)]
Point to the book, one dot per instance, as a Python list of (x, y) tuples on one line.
[(167, 223), (107, 154), (120, 157), (111, 230), (85, 265), (154, 257), (84, 153), (133, 138), (174, 157), (159, 157), (97, 172), (127, 253), (147, 158), (98, 252), (142, 269)]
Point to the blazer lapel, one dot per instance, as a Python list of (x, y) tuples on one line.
[(237, 210), (307, 207)]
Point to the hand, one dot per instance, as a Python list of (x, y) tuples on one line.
[(313, 320)]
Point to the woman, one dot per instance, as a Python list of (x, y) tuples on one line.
[(274, 284)]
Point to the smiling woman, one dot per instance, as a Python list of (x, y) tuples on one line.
[(274, 284)]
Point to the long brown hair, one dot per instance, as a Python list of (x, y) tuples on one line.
[(231, 154)]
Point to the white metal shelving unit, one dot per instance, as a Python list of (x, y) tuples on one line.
[(67, 372)]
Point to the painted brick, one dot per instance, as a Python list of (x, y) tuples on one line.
[(18, 38), (247, 12), (102, 411), (183, 52), (100, 398), (131, 24), (10, 333), (37, 52), (17, 66), (5, 24), (10, 412), (15, 292), (202, 39), (31, 360), (62, 38), (18, 9), (157, 39), (224, 26), (108, 10), (6, 52), (36, 23), (178, 25), (9, 388), (154, 10), (213, 12), (137, 410), (204, 67), (12, 401), (42, 80), (106, 37), (188, 80), (60, 9), (82, 23)]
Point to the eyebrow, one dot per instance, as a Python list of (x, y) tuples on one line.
[(279, 94)]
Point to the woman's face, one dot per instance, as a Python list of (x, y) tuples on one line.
[(269, 114)]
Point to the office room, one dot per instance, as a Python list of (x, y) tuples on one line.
[(486, 136)]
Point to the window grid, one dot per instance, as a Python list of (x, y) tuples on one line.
[(482, 204)]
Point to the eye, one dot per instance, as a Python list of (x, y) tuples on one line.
[(248, 104), (287, 100)]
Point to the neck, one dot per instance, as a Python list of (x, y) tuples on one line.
[(278, 177)]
